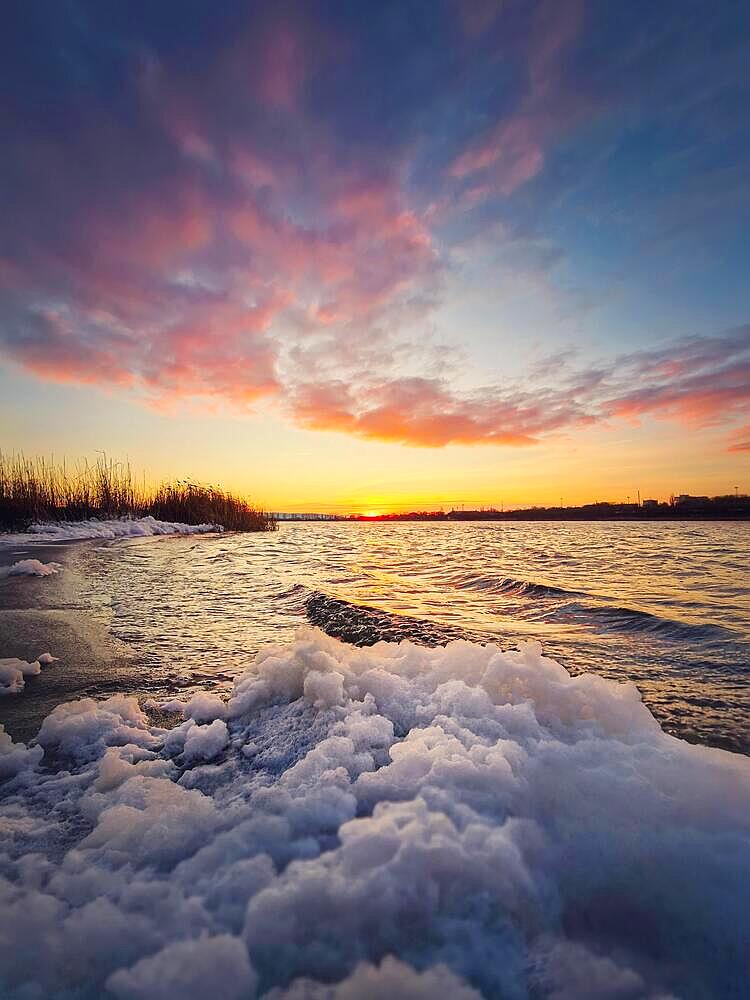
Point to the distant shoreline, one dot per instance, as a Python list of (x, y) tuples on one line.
[(732, 507), (511, 516)]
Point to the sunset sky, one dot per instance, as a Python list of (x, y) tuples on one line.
[(365, 256)]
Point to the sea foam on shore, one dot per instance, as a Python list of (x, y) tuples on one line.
[(30, 567), (393, 820)]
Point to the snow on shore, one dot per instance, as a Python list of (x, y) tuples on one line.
[(389, 821), (124, 527)]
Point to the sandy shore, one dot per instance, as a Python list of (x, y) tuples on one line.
[(47, 614)]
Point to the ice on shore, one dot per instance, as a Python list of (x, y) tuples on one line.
[(124, 527), (30, 567), (388, 821)]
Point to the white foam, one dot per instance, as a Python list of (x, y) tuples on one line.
[(204, 742), (393, 979), (124, 527), (202, 707), (13, 674), (31, 567), (82, 730), (189, 969), (15, 758), (392, 821)]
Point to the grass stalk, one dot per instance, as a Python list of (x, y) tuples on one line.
[(36, 490)]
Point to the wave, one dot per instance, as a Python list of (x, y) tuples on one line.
[(601, 617), (361, 625), (509, 585), (633, 621)]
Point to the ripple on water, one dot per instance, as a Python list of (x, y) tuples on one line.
[(666, 605)]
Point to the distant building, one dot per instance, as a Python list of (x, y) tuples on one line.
[(650, 504), (724, 506)]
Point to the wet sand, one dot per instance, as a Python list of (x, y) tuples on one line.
[(45, 614)]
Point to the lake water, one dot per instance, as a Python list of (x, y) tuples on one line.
[(666, 605), (362, 820)]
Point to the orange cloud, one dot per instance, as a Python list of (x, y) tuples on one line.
[(427, 413), (700, 381)]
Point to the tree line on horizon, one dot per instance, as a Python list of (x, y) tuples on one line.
[(730, 506)]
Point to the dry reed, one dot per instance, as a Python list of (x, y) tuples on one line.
[(42, 490)]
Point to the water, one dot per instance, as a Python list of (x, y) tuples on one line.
[(666, 605), (540, 836)]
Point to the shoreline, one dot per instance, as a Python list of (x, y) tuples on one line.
[(457, 518), (39, 615), (63, 614)]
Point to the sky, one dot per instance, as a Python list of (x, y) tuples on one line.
[(380, 255)]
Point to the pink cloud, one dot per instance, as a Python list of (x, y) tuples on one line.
[(141, 310), (221, 351), (428, 412), (369, 249), (699, 403), (700, 381), (740, 439), (258, 170), (511, 152), (281, 70), (174, 284), (51, 349)]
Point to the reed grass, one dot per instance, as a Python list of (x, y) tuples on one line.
[(35, 490)]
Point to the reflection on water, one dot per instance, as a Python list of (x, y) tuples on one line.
[(666, 605)]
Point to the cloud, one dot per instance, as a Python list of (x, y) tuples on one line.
[(427, 413), (698, 381), (183, 243), (740, 440), (251, 211), (189, 314), (282, 67), (511, 152)]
